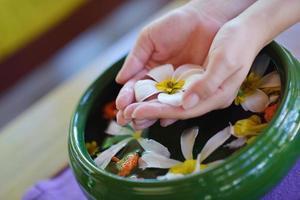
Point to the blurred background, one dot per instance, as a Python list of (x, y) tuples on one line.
[(45, 42)]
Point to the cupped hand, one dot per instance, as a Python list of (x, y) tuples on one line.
[(185, 36), (182, 36), (227, 64)]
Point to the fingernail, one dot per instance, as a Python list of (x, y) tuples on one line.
[(191, 101)]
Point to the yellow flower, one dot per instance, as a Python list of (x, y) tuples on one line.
[(167, 83), (253, 93), (248, 127), (92, 147), (248, 87), (187, 167)]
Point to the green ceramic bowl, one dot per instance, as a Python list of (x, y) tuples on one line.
[(248, 174)]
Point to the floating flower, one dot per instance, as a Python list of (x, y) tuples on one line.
[(92, 147), (251, 126), (177, 168), (253, 93), (104, 158), (127, 164), (110, 110), (167, 83), (246, 131)]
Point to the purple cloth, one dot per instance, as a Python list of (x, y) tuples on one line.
[(64, 187)]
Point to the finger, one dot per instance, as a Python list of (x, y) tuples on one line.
[(219, 68), (137, 58), (126, 94), (167, 122), (156, 110), (120, 118), (145, 124), (129, 110)]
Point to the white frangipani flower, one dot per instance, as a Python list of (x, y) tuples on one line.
[(177, 168), (104, 158), (245, 130), (168, 83), (253, 93)]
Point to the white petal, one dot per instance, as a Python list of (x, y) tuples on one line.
[(270, 80), (237, 143), (257, 102), (169, 176), (154, 146), (187, 141), (186, 70), (273, 98), (198, 163), (192, 79), (115, 129), (191, 72), (154, 160), (209, 165), (105, 157), (214, 142), (144, 89), (260, 64), (183, 68), (171, 99), (162, 72)]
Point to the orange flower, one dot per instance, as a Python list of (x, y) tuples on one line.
[(131, 162), (110, 110), (270, 111)]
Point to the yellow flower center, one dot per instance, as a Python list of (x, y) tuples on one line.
[(249, 127), (137, 135), (170, 86), (187, 167), (248, 87)]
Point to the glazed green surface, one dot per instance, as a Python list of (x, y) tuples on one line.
[(248, 174)]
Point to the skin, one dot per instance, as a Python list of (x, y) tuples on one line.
[(209, 33)]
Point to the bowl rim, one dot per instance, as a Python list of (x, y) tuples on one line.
[(76, 132)]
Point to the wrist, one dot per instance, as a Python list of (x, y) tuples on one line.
[(220, 10)]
